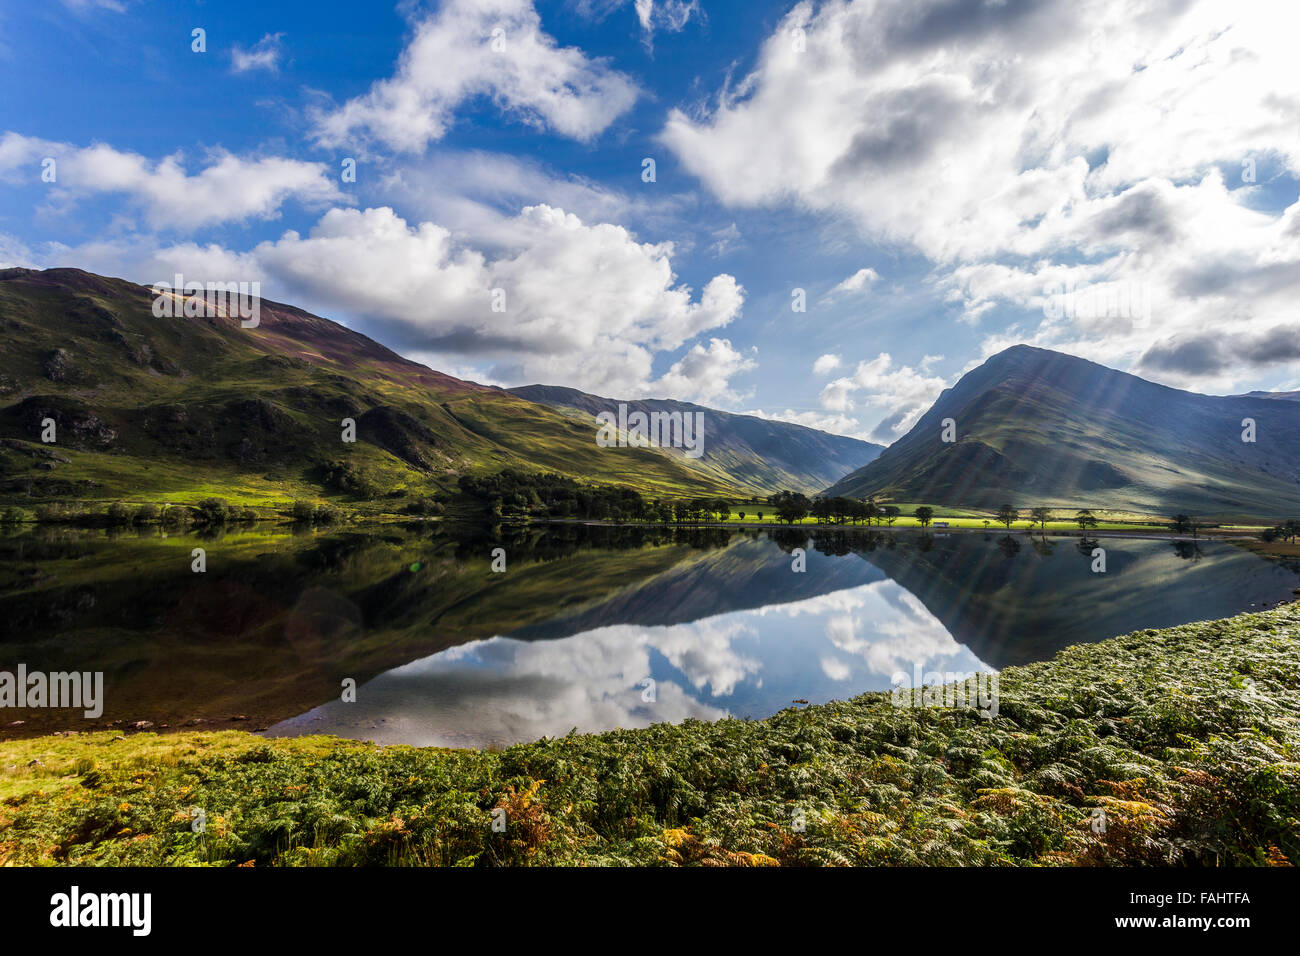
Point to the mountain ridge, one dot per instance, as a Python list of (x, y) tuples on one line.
[(1038, 427), (161, 408), (764, 453), (182, 408)]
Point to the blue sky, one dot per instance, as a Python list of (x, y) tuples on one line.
[(941, 178)]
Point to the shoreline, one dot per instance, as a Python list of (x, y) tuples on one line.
[(1185, 759)]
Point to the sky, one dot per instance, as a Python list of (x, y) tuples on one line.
[(823, 212)]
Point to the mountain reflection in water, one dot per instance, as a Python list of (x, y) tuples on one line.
[(444, 651)]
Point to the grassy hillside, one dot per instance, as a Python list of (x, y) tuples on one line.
[(1035, 427), (179, 409), (762, 455), (1183, 742)]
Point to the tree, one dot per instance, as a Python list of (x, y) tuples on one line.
[(791, 506), (1040, 515), (1008, 515), (213, 511), (841, 508), (1085, 520), (858, 511), (1181, 524), (890, 513), (925, 515)]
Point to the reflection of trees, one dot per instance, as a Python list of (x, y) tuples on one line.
[(1008, 545), (545, 542), (1042, 547), (787, 539), (1187, 550), (1086, 544), (834, 544), (926, 543)]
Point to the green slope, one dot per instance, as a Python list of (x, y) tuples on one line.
[(1036, 427), (177, 409), (763, 455)]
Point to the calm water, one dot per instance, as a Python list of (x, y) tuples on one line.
[(588, 628)]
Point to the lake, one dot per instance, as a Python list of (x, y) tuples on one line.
[(587, 628)]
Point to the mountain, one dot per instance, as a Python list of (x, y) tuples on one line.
[(177, 409), (1277, 396), (760, 454), (1036, 427)]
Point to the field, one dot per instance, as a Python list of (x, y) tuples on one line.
[(1061, 522)]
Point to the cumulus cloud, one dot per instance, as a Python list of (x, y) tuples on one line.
[(826, 364), (227, 189), (901, 393), (586, 305), (704, 374), (263, 55), (490, 48), (1017, 145), (478, 194)]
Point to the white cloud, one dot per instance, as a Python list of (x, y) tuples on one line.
[(263, 55), (1011, 143), (492, 48), (585, 305), (826, 364), (227, 189), (833, 423), (653, 15), (703, 374), (854, 284), (725, 240), (85, 6), (901, 393), (477, 195)]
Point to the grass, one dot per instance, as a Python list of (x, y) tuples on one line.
[(974, 519), (1185, 741)]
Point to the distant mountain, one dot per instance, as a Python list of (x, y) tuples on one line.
[(1279, 396), (759, 454), (151, 408), (1036, 427)]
